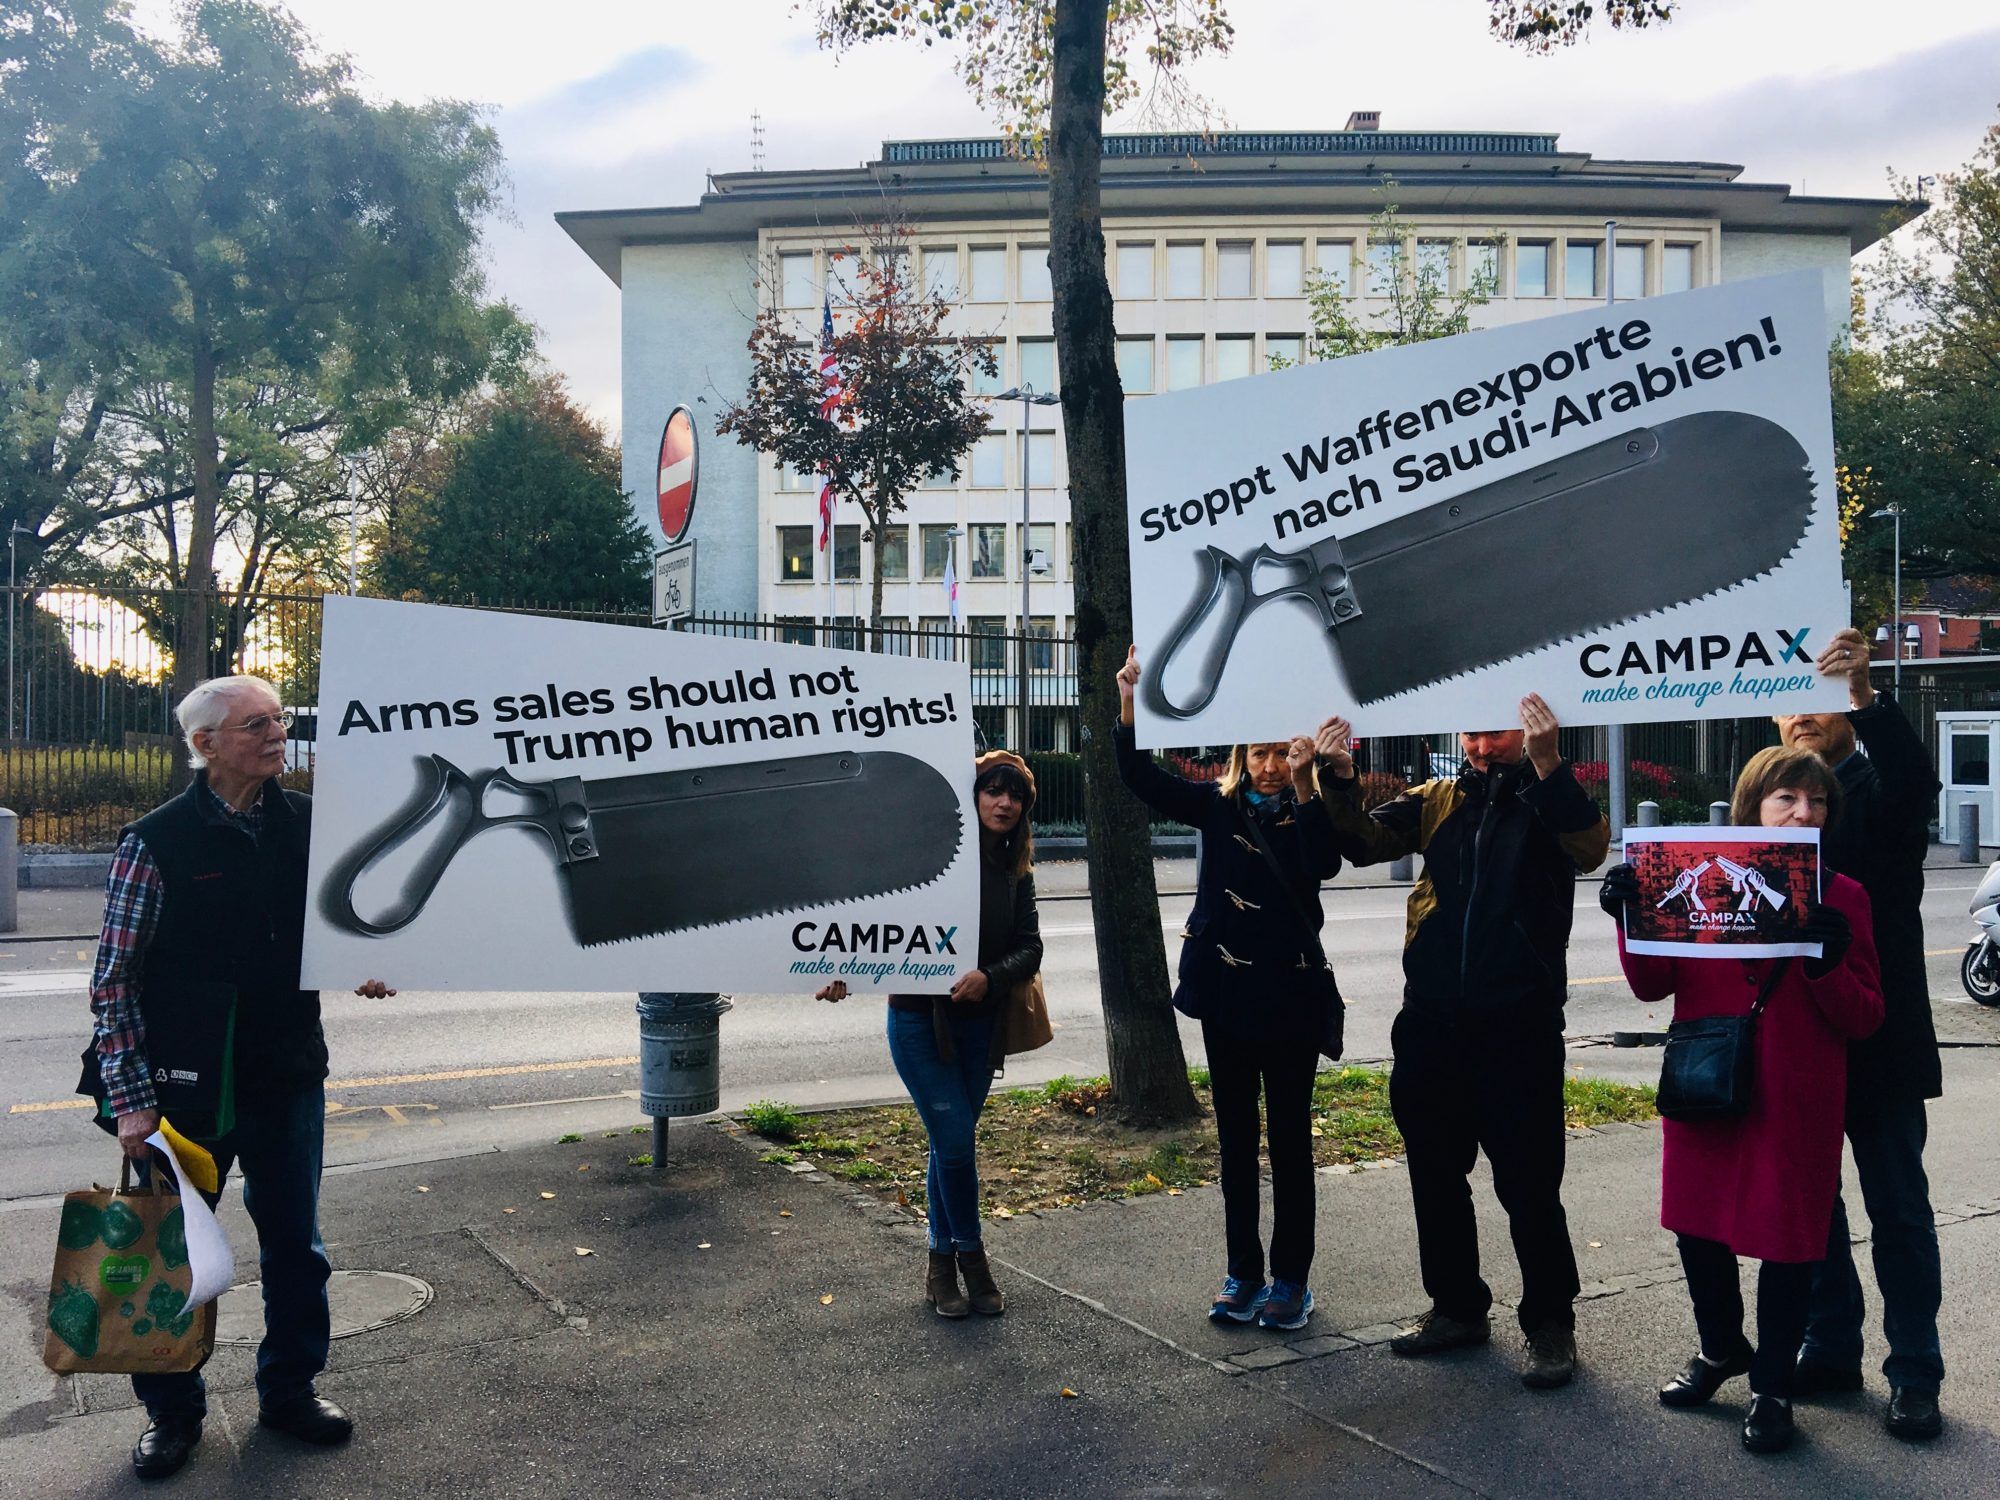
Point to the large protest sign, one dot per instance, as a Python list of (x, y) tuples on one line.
[(511, 803), (1722, 892), (1629, 511)]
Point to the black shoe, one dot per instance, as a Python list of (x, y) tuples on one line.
[(310, 1419), (1768, 1427), (1698, 1383), (1551, 1357), (1437, 1331), (1913, 1414), (165, 1446), (1812, 1378)]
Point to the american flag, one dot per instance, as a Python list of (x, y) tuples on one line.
[(829, 403)]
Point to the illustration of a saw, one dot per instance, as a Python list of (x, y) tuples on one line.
[(669, 850), (1654, 517)]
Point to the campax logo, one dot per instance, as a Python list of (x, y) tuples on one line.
[(1697, 653)]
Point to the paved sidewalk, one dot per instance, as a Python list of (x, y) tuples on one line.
[(740, 1329)]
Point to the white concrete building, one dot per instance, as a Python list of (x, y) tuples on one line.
[(1209, 242)]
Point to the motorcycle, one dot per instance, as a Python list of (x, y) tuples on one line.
[(1980, 969)]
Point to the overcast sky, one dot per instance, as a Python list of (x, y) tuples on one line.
[(627, 103)]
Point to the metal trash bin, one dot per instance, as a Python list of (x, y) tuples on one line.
[(679, 1054)]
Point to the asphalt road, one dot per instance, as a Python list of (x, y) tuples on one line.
[(432, 1075)]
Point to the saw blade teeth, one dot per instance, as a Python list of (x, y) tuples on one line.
[(1618, 624)]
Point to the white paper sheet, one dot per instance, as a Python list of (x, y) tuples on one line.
[(211, 1263)]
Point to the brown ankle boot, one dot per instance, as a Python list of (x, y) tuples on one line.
[(979, 1288), (941, 1286)]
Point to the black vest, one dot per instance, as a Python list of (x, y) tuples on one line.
[(233, 911)]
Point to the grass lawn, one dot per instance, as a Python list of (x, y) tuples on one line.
[(1047, 1147)]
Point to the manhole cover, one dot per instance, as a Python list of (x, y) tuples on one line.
[(362, 1301)]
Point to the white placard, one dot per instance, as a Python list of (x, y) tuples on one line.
[(512, 803), (673, 583), (1629, 510)]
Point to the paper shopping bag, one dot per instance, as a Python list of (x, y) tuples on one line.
[(121, 1279)]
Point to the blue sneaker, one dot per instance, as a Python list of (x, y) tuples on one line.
[(1287, 1306), (1238, 1301)]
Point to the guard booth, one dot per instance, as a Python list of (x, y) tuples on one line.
[(1969, 767)]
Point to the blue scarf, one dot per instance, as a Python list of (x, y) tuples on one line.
[(1256, 798)]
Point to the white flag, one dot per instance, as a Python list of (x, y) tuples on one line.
[(951, 587)]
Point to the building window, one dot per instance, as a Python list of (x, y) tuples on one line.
[(1041, 643), (1232, 356), (1283, 350), (1183, 363), (839, 278), (937, 639), (795, 279), (941, 271), (1385, 264), (939, 479), (937, 542), (1135, 366), (1285, 268), (989, 462), (894, 637), (1135, 272), (1232, 268), (1038, 364), (1434, 264), (1184, 273), (892, 552), (990, 385), (1482, 268), (1630, 266), (989, 550), (898, 259), (797, 630), (988, 643), (1335, 259), (1042, 460), (795, 554), (796, 480), (1040, 550), (989, 273), (846, 553), (1035, 274), (1580, 277), (1531, 268), (1677, 268)]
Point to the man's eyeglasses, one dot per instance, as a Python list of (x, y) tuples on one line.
[(285, 718)]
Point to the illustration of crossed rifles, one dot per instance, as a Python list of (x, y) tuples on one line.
[(1750, 885)]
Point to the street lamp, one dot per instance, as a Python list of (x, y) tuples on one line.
[(1028, 396), (1895, 514)]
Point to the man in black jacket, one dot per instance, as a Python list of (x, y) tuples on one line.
[(205, 904), (1479, 1042), (1879, 839)]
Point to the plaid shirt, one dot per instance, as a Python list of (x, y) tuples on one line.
[(132, 899)]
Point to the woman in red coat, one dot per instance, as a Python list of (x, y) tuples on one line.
[(1762, 1184)]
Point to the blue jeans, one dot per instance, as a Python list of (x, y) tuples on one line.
[(949, 1097), (1888, 1140), (277, 1145)]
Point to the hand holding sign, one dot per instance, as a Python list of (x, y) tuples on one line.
[(1332, 742)]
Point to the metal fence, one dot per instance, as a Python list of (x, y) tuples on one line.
[(89, 708)]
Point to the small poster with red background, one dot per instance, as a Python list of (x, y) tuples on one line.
[(1722, 892)]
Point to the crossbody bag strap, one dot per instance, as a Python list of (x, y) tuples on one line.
[(1770, 985), (1284, 886)]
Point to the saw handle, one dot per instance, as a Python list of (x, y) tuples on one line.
[(448, 810), (1224, 598)]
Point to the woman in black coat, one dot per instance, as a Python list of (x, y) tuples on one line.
[(1253, 973)]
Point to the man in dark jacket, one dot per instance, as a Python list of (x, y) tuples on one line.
[(1879, 839), (1479, 1042), (206, 902)]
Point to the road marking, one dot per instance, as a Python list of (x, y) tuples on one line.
[(579, 1099), (451, 1075), (45, 982)]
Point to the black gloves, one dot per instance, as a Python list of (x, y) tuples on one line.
[(1620, 889), (1826, 926)]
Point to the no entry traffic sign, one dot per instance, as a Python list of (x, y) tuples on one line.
[(680, 468)]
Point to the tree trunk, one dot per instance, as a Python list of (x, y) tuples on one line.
[(877, 523), (1148, 1070), (191, 636)]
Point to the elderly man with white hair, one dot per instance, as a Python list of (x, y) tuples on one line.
[(205, 906)]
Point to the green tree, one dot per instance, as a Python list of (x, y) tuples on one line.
[(529, 510), (220, 208), (1051, 70), (906, 408)]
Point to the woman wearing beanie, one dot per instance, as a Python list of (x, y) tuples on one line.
[(943, 1046), (1251, 972)]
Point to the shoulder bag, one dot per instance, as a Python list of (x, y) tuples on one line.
[(1710, 1067)]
